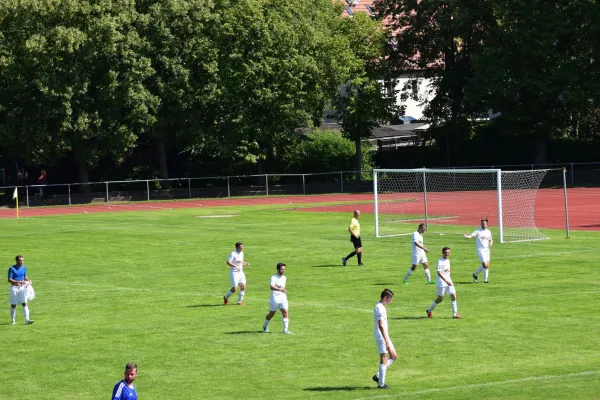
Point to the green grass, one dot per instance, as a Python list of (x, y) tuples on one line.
[(147, 287)]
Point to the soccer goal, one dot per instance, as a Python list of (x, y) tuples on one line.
[(454, 201)]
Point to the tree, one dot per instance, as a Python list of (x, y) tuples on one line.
[(76, 78)]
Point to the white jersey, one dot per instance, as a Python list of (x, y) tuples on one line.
[(279, 282), (443, 267), (237, 258), (483, 236), (379, 314), (417, 251)]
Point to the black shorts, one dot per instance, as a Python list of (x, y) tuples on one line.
[(356, 241)]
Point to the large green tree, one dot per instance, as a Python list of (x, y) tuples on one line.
[(76, 78)]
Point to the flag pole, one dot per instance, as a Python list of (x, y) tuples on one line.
[(16, 197)]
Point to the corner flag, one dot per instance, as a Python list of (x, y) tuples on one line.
[(16, 198)]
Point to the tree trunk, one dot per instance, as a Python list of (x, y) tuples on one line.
[(161, 152), (357, 159), (80, 155), (541, 147)]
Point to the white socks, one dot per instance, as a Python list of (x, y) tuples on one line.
[(266, 323), (381, 374), (432, 306), (228, 294), (286, 322), (478, 270), (13, 312), (26, 312), (408, 274), (242, 293), (428, 275), (454, 308), (485, 274)]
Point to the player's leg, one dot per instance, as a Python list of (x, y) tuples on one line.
[(26, 313), (486, 266), (454, 306), (438, 300), (383, 365), (13, 313), (359, 251), (412, 269), (270, 315), (426, 271), (13, 303), (242, 285), (349, 256), (480, 269), (286, 319), (233, 279)]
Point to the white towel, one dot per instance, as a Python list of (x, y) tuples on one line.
[(29, 292)]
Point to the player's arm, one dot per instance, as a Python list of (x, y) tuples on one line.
[(350, 230), (230, 262), (468, 236), (491, 241), (11, 280), (448, 282), (383, 332), (277, 288), (421, 247)]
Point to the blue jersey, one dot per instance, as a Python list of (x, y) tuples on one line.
[(124, 392), (17, 273)]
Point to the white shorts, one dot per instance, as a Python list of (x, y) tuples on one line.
[(236, 278), (443, 290), (278, 305), (381, 347), (416, 260), (17, 295), (484, 256)]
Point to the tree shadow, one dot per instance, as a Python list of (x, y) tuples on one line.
[(244, 332), (336, 388), (205, 305)]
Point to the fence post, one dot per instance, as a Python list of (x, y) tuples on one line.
[(303, 184), (106, 191), (342, 180), (148, 190), (267, 183), (189, 188), (228, 189), (27, 194), (572, 176), (69, 188)]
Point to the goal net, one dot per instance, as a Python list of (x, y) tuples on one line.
[(455, 201)]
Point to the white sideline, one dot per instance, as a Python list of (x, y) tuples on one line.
[(480, 385)]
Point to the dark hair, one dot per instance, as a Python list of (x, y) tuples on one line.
[(130, 366), (387, 293), (279, 265), (444, 249), (238, 244), (485, 219), (17, 258), (421, 226)]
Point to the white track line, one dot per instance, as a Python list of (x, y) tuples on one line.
[(482, 385)]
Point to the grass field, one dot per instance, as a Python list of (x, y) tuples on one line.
[(148, 286)]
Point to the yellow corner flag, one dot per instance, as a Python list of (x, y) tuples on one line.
[(16, 197)]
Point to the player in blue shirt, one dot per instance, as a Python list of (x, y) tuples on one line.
[(125, 390), (17, 277)]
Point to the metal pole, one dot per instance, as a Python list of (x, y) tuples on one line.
[(27, 194), (303, 184), (106, 192), (189, 188), (69, 188), (375, 203), (566, 204), (148, 190), (267, 183), (499, 189), (425, 200), (342, 180), (228, 189)]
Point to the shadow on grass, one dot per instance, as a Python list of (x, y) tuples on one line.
[(337, 388), (466, 283), (383, 284), (205, 305), (245, 332), (328, 266), (409, 318)]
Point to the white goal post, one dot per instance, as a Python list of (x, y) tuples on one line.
[(454, 201)]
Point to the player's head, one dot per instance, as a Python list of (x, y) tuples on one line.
[(484, 223), (446, 252), (387, 294), (19, 259), (356, 213), (422, 228), (239, 246), (280, 268), (130, 372)]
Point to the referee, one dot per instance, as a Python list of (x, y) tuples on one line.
[(354, 230)]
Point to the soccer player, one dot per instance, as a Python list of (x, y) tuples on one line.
[(125, 389), (484, 242), (444, 284), (17, 277), (236, 273), (278, 299), (419, 254), (354, 230), (387, 353)]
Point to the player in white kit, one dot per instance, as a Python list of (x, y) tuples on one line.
[(444, 284), (385, 347), (483, 242), (419, 255), (279, 299), (236, 273)]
